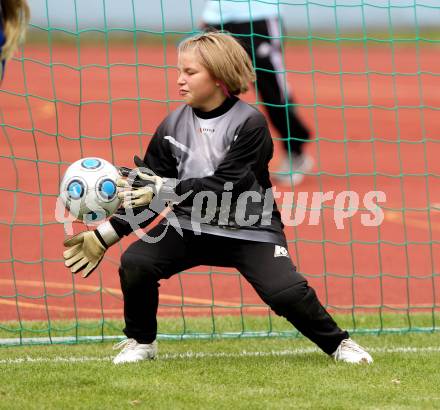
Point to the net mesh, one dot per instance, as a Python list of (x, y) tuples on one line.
[(364, 78)]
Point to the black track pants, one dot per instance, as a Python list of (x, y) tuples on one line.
[(274, 278)]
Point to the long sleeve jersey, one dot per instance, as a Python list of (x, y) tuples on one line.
[(215, 165)]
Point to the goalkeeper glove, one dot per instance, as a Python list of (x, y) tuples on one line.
[(139, 188), (149, 178), (133, 197), (86, 250), (138, 191)]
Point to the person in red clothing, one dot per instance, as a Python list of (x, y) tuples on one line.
[(209, 159)]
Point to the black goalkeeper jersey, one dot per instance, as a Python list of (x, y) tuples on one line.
[(216, 166)]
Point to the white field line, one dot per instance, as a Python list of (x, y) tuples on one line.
[(204, 355)]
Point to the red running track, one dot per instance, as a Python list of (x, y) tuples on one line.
[(376, 127)]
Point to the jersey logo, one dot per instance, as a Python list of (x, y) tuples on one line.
[(280, 251), (206, 131)]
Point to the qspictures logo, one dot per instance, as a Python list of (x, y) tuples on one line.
[(218, 208)]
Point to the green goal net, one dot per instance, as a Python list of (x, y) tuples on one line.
[(95, 78)]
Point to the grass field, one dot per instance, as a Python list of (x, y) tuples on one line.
[(220, 373), (224, 374)]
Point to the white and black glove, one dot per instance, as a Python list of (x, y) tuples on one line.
[(139, 186), (134, 195), (86, 250), (140, 190)]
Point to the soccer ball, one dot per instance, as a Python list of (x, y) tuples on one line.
[(88, 189)]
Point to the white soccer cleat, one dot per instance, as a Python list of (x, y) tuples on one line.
[(297, 167), (350, 352), (133, 351)]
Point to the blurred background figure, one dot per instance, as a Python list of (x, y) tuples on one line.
[(14, 18), (259, 28)]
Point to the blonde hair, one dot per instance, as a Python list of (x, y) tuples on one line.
[(16, 16), (224, 58)]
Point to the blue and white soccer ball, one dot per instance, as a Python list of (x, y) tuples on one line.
[(88, 189)]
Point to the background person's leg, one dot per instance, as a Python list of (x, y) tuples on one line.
[(262, 41), (264, 48), (273, 86)]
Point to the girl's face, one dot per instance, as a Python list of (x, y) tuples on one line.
[(196, 85)]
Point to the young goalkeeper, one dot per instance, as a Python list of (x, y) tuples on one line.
[(14, 18), (210, 159)]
